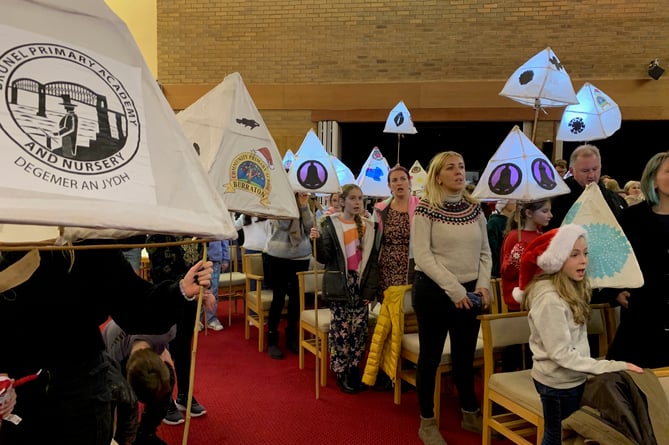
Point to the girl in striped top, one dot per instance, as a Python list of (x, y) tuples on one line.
[(345, 244)]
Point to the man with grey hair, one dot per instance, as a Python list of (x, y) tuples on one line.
[(585, 166)]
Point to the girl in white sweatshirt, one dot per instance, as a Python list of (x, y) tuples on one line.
[(557, 294)]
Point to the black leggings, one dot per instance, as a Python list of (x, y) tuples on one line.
[(437, 316), (284, 282)]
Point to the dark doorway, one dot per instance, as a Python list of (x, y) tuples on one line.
[(476, 141)]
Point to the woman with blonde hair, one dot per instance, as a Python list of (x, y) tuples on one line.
[(633, 193), (450, 287)]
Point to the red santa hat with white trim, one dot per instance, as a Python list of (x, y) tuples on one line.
[(547, 254)]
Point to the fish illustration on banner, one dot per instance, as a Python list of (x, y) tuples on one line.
[(595, 116), (519, 170), (288, 159), (88, 139), (238, 151), (611, 262), (313, 170), (344, 174), (373, 177), (418, 177)]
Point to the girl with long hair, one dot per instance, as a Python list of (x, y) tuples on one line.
[(534, 216), (345, 244), (553, 285)]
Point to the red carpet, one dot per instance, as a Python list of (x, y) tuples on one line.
[(252, 399)]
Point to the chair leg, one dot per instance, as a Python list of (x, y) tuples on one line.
[(324, 359), (261, 331), (397, 396), (487, 412), (300, 341), (540, 432), (247, 325)]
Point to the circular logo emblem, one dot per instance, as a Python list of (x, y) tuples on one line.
[(543, 174), (67, 110), (312, 175), (505, 179)]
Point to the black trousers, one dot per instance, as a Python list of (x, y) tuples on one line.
[(437, 316), (284, 282), (180, 347), (69, 405)]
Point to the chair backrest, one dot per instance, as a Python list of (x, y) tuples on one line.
[(309, 283), (253, 265), (496, 295), (499, 331), (597, 325), (234, 260)]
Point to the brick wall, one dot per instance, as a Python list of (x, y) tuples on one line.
[(306, 41), (348, 41)]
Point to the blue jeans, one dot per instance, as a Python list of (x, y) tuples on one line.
[(558, 404), (215, 275)]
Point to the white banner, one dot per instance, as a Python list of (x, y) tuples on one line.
[(72, 121)]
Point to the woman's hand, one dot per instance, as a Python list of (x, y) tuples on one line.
[(314, 233), (485, 297), (634, 368), (623, 299), (198, 275), (465, 303)]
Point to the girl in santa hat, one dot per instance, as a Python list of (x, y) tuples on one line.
[(554, 287)]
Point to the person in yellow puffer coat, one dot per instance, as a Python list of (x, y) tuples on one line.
[(384, 351)]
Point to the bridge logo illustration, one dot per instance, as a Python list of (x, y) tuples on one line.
[(66, 111)]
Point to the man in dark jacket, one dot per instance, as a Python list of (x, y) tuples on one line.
[(585, 166)]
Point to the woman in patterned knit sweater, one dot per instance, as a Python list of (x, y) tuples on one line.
[(450, 287), (345, 244)]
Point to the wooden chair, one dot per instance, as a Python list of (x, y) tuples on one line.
[(258, 301), (232, 283), (597, 326), (514, 391), (409, 356), (496, 295), (309, 333)]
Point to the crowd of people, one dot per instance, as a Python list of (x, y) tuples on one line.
[(441, 243)]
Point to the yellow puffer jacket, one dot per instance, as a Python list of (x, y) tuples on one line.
[(384, 350)]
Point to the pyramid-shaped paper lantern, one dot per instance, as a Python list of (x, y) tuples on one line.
[(595, 116), (612, 262), (542, 81), (399, 121), (519, 170), (313, 170), (344, 174), (120, 160), (373, 177), (288, 159), (418, 177), (238, 151)]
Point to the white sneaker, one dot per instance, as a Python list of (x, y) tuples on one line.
[(215, 325), (200, 326)]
